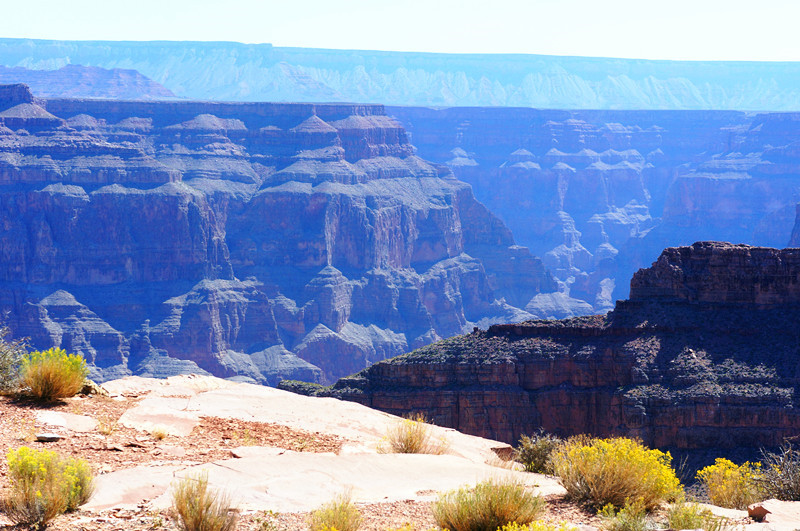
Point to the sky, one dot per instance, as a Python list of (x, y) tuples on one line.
[(764, 30)]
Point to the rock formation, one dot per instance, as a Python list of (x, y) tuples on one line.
[(230, 71), (704, 354), (248, 240), (77, 81), (599, 194)]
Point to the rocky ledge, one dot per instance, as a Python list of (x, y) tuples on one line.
[(704, 354)]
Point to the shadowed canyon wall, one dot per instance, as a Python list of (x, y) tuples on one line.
[(703, 355), (256, 241)]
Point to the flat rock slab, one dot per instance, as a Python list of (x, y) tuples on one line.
[(778, 514), (161, 413), (68, 421), (126, 489), (296, 481)]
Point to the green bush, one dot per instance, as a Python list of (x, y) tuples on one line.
[(684, 515), (199, 508), (412, 436), (617, 471), (486, 507), (632, 517), (53, 373), (339, 514), (44, 485), (731, 485), (11, 353), (780, 474), (534, 452)]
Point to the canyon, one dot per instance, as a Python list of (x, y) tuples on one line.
[(703, 355), (252, 241), (599, 194)]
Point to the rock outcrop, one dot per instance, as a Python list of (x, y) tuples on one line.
[(704, 354), (252, 241), (599, 194)]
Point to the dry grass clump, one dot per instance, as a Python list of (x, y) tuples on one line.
[(412, 436), (631, 517), (684, 515), (339, 514), (731, 485), (534, 452), (44, 485), (617, 471), (199, 508), (487, 506), (52, 374)]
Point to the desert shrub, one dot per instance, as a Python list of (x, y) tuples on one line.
[(412, 436), (200, 508), (731, 485), (534, 452), (339, 514), (11, 353), (44, 485), (616, 471), (684, 515), (631, 517), (487, 506), (780, 474), (53, 373)]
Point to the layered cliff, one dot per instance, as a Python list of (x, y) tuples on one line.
[(230, 71), (258, 241), (598, 194), (704, 354)]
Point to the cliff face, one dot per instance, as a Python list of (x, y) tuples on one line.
[(254, 240), (599, 194), (703, 355)]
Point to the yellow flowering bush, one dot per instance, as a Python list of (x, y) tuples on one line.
[(615, 471), (44, 485), (53, 373), (731, 485)]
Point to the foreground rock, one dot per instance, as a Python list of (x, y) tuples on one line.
[(255, 240), (264, 478), (703, 355)]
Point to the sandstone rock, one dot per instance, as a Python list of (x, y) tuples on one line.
[(775, 512)]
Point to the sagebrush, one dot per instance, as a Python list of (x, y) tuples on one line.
[(780, 474), (535, 451), (52, 373), (201, 508), (487, 506), (44, 485), (618, 471), (11, 352), (412, 435), (339, 514), (730, 485)]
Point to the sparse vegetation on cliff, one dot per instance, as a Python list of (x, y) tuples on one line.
[(199, 508), (339, 514), (618, 471), (44, 485), (52, 374), (412, 435), (535, 452), (487, 507), (732, 485)]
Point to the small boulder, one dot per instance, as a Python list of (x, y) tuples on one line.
[(775, 511), (48, 437)]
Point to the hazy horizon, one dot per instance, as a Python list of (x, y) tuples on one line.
[(687, 31)]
